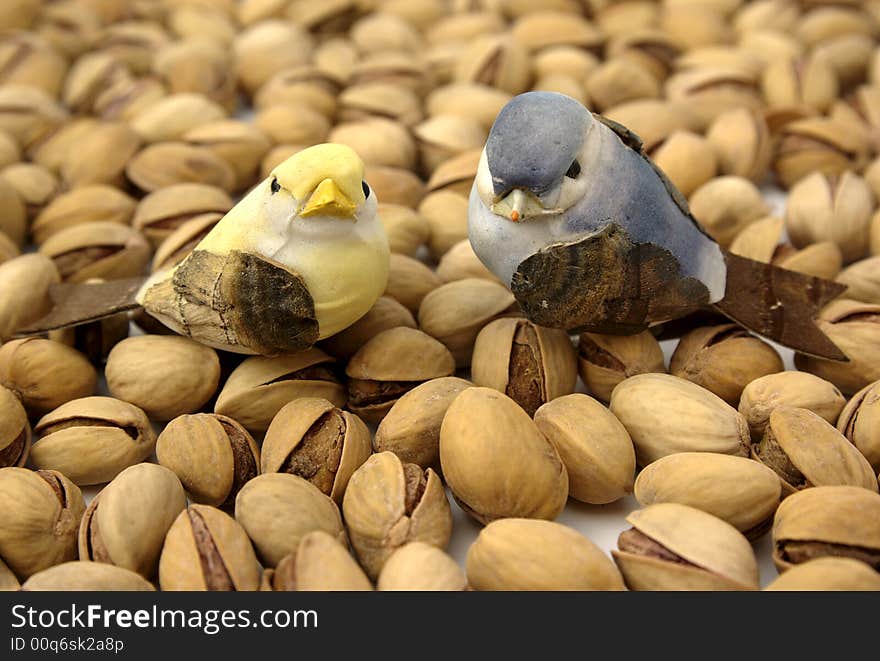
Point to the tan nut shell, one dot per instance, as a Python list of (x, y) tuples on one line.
[(322, 564), (8, 581), (724, 558), (446, 213), (606, 360), (862, 279), (822, 260), (375, 511), (496, 462), (406, 229), (401, 354), (127, 251), (21, 305), (665, 414), (860, 422), (726, 205), (385, 314), (525, 554), (825, 574), (759, 239), (277, 510), (99, 202), (87, 576), (15, 430), (421, 567), (289, 427), (595, 448), (460, 262), (735, 489)]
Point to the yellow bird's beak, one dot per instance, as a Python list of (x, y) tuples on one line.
[(328, 200)]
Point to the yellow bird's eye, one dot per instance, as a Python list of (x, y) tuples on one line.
[(366, 189), (275, 186)]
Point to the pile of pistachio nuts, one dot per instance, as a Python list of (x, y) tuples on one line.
[(129, 128)]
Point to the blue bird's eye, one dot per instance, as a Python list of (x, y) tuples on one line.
[(366, 188), (573, 170), (275, 186)]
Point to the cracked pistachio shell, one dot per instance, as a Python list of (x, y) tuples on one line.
[(10, 152), (385, 314), (134, 42), (171, 117), (653, 120), (104, 250), (32, 368), (596, 449), (849, 55), (87, 576), (14, 222), (464, 26), (126, 523), (93, 439), (863, 280), (411, 429), (529, 363), (497, 61), (619, 80), (723, 359), (258, 388), (90, 74), (407, 231), (164, 164), (395, 185), (19, 13), (307, 84), (378, 141), (206, 549), (562, 84), (35, 185), (161, 212), (8, 581), (29, 114), (442, 137), (212, 455), (421, 567), (693, 27), (19, 305), (606, 360), (791, 388), (807, 451), (165, 375), (312, 438), (759, 239), (455, 312), (181, 242), (735, 489), (496, 461), (15, 430), (724, 56), (8, 248), (566, 60), (472, 100), (278, 509), (51, 150), (809, 82), (708, 553), (100, 155), (385, 31), (42, 511), (125, 97), (817, 144), (97, 203), (725, 205), (648, 47), (544, 28), (389, 503), (456, 174), (461, 262), (293, 124), (525, 554), (446, 213), (840, 521), (687, 159), (822, 260), (711, 91), (855, 328), (394, 67), (860, 422), (831, 208), (240, 144), (742, 143), (826, 574), (379, 100), (320, 564), (263, 49)]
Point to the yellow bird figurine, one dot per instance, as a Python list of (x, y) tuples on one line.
[(302, 256)]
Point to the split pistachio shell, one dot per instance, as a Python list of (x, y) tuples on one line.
[(165, 164), (473, 100), (862, 279), (99, 202), (735, 489), (312, 438), (267, 47), (421, 567), (712, 90), (792, 388), (411, 430), (406, 229), (860, 422), (14, 221), (206, 549), (103, 250), (87, 576), (619, 80), (320, 563), (840, 521), (212, 455), (759, 239), (163, 211), (100, 155), (596, 449), (829, 573), (126, 523), (240, 144), (278, 509), (460, 262), (19, 305), (822, 260), (742, 144), (258, 388), (446, 213), (810, 81), (496, 462), (389, 503), (665, 414), (525, 554), (173, 116), (181, 242), (378, 141), (42, 513), (93, 439), (817, 144), (35, 185), (15, 430), (496, 61), (385, 314), (687, 159), (726, 205), (606, 360), (409, 281), (8, 581)]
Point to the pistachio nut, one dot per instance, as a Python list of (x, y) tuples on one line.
[(407, 231), (174, 115), (90, 74), (649, 48), (126, 97), (394, 185), (240, 144), (653, 120), (194, 66), (393, 67), (742, 144), (212, 455), (525, 554), (164, 375), (278, 509), (858, 422), (816, 144), (496, 461), (293, 124), (10, 152), (103, 249), (460, 262), (384, 31), (742, 492), (594, 446), (849, 55), (8, 581), (464, 26), (87, 576), (693, 27), (665, 414), (320, 563), (308, 84), (133, 42), (386, 313), (15, 430), (455, 174), (711, 91), (93, 439), (377, 141), (96, 203), (822, 260), (471, 100), (606, 360), (29, 114), (837, 521), (496, 61), (267, 47), (183, 239), (538, 29), (42, 513), (51, 150), (36, 186), (618, 80), (335, 57), (163, 211), (45, 374), (874, 235), (8, 248), (206, 549), (795, 389), (442, 137), (567, 60), (389, 503), (213, 22), (100, 155), (20, 305), (862, 279), (257, 389), (421, 567), (855, 328), (389, 365), (312, 438), (380, 99), (827, 574), (677, 547), (687, 159), (409, 281), (126, 523), (14, 222), (722, 56), (809, 82), (20, 14), (446, 213), (529, 363), (759, 239), (164, 164), (725, 205)]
